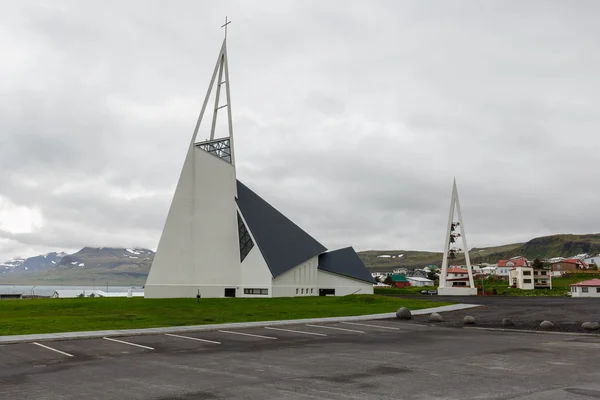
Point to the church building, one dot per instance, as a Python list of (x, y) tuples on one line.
[(221, 239)]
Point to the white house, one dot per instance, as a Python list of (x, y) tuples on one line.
[(521, 278), (419, 281), (491, 270), (589, 288), (221, 239), (592, 260)]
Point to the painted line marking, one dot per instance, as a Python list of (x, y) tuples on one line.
[(295, 331), (191, 338), (249, 334), (129, 343), (333, 327), (50, 348), (372, 326)]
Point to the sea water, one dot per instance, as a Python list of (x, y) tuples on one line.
[(47, 291)]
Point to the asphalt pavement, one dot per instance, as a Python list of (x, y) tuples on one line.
[(376, 359)]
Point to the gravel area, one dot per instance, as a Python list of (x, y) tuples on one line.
[(567, 314)]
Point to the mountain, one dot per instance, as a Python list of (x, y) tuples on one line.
[(542, 247), (10, 265), (115, 266)]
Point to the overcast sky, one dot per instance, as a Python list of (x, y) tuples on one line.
[(350, 117)]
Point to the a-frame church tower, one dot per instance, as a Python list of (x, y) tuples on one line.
[(221, 239), (456, 281)]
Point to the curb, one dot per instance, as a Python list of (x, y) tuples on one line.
[(13, 339), (529, 331)]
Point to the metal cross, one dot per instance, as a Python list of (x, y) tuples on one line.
[(225, 26)]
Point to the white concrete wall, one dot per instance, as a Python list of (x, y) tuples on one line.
[(199, 246), (592, 292), (343, 285), (301, 280)]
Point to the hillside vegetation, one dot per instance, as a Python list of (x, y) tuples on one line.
[(542, 247)]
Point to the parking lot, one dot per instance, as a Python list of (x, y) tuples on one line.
[(379, 359)]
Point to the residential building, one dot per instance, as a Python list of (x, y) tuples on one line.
[(457, 277), (521, 278), (504, 266), (417, 272), (542, 278), (589, 288), (419, 281), (491, 270), (400, 271), (592, 260), (400, 281), (568, 265)]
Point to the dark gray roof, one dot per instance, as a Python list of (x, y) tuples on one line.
[(345, 262), (282, 243)]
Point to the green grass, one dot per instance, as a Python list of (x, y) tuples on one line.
[(68, 315), (404, 290)]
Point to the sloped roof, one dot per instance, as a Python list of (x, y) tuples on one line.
[(419, 279), (347, 263), (457, 271), (591, 282), (398, 278), (282, 243), (519, 262)]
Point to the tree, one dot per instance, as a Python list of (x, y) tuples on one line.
[(388, 281), (431, 275), (594, 267), (537, 264)]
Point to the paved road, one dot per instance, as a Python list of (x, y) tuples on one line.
[(381, 359)]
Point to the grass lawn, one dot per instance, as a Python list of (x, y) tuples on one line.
[(68, 315), (404, 290)]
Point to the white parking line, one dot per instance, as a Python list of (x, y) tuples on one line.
[(131, 344), (249, 334), (372, 326), (191, 338), (50, 348), (294, 331), (333, 327)]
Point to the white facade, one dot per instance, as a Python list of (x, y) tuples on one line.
[(198, 251), (418, 281), (585, 291), (592, 260), (343, 285), (208, 248), (522, 278)]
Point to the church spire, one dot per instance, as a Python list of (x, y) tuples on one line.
[(221, 146)]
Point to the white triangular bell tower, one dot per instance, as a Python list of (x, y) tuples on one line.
[(453, 281), (199, 249)]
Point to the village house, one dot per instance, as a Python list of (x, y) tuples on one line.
[(419, 281), (504, 266), (589, 288), (458, 277), (521, 278), (568, 265), (399, 281)]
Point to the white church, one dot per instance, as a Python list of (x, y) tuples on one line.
[(221, 239)]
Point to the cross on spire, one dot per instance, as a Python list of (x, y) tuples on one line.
[(225, 26)]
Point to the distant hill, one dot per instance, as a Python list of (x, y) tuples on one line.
[(543, 247), (115, 266), (120, 266)]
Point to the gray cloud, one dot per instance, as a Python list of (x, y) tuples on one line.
[(352, 120)]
